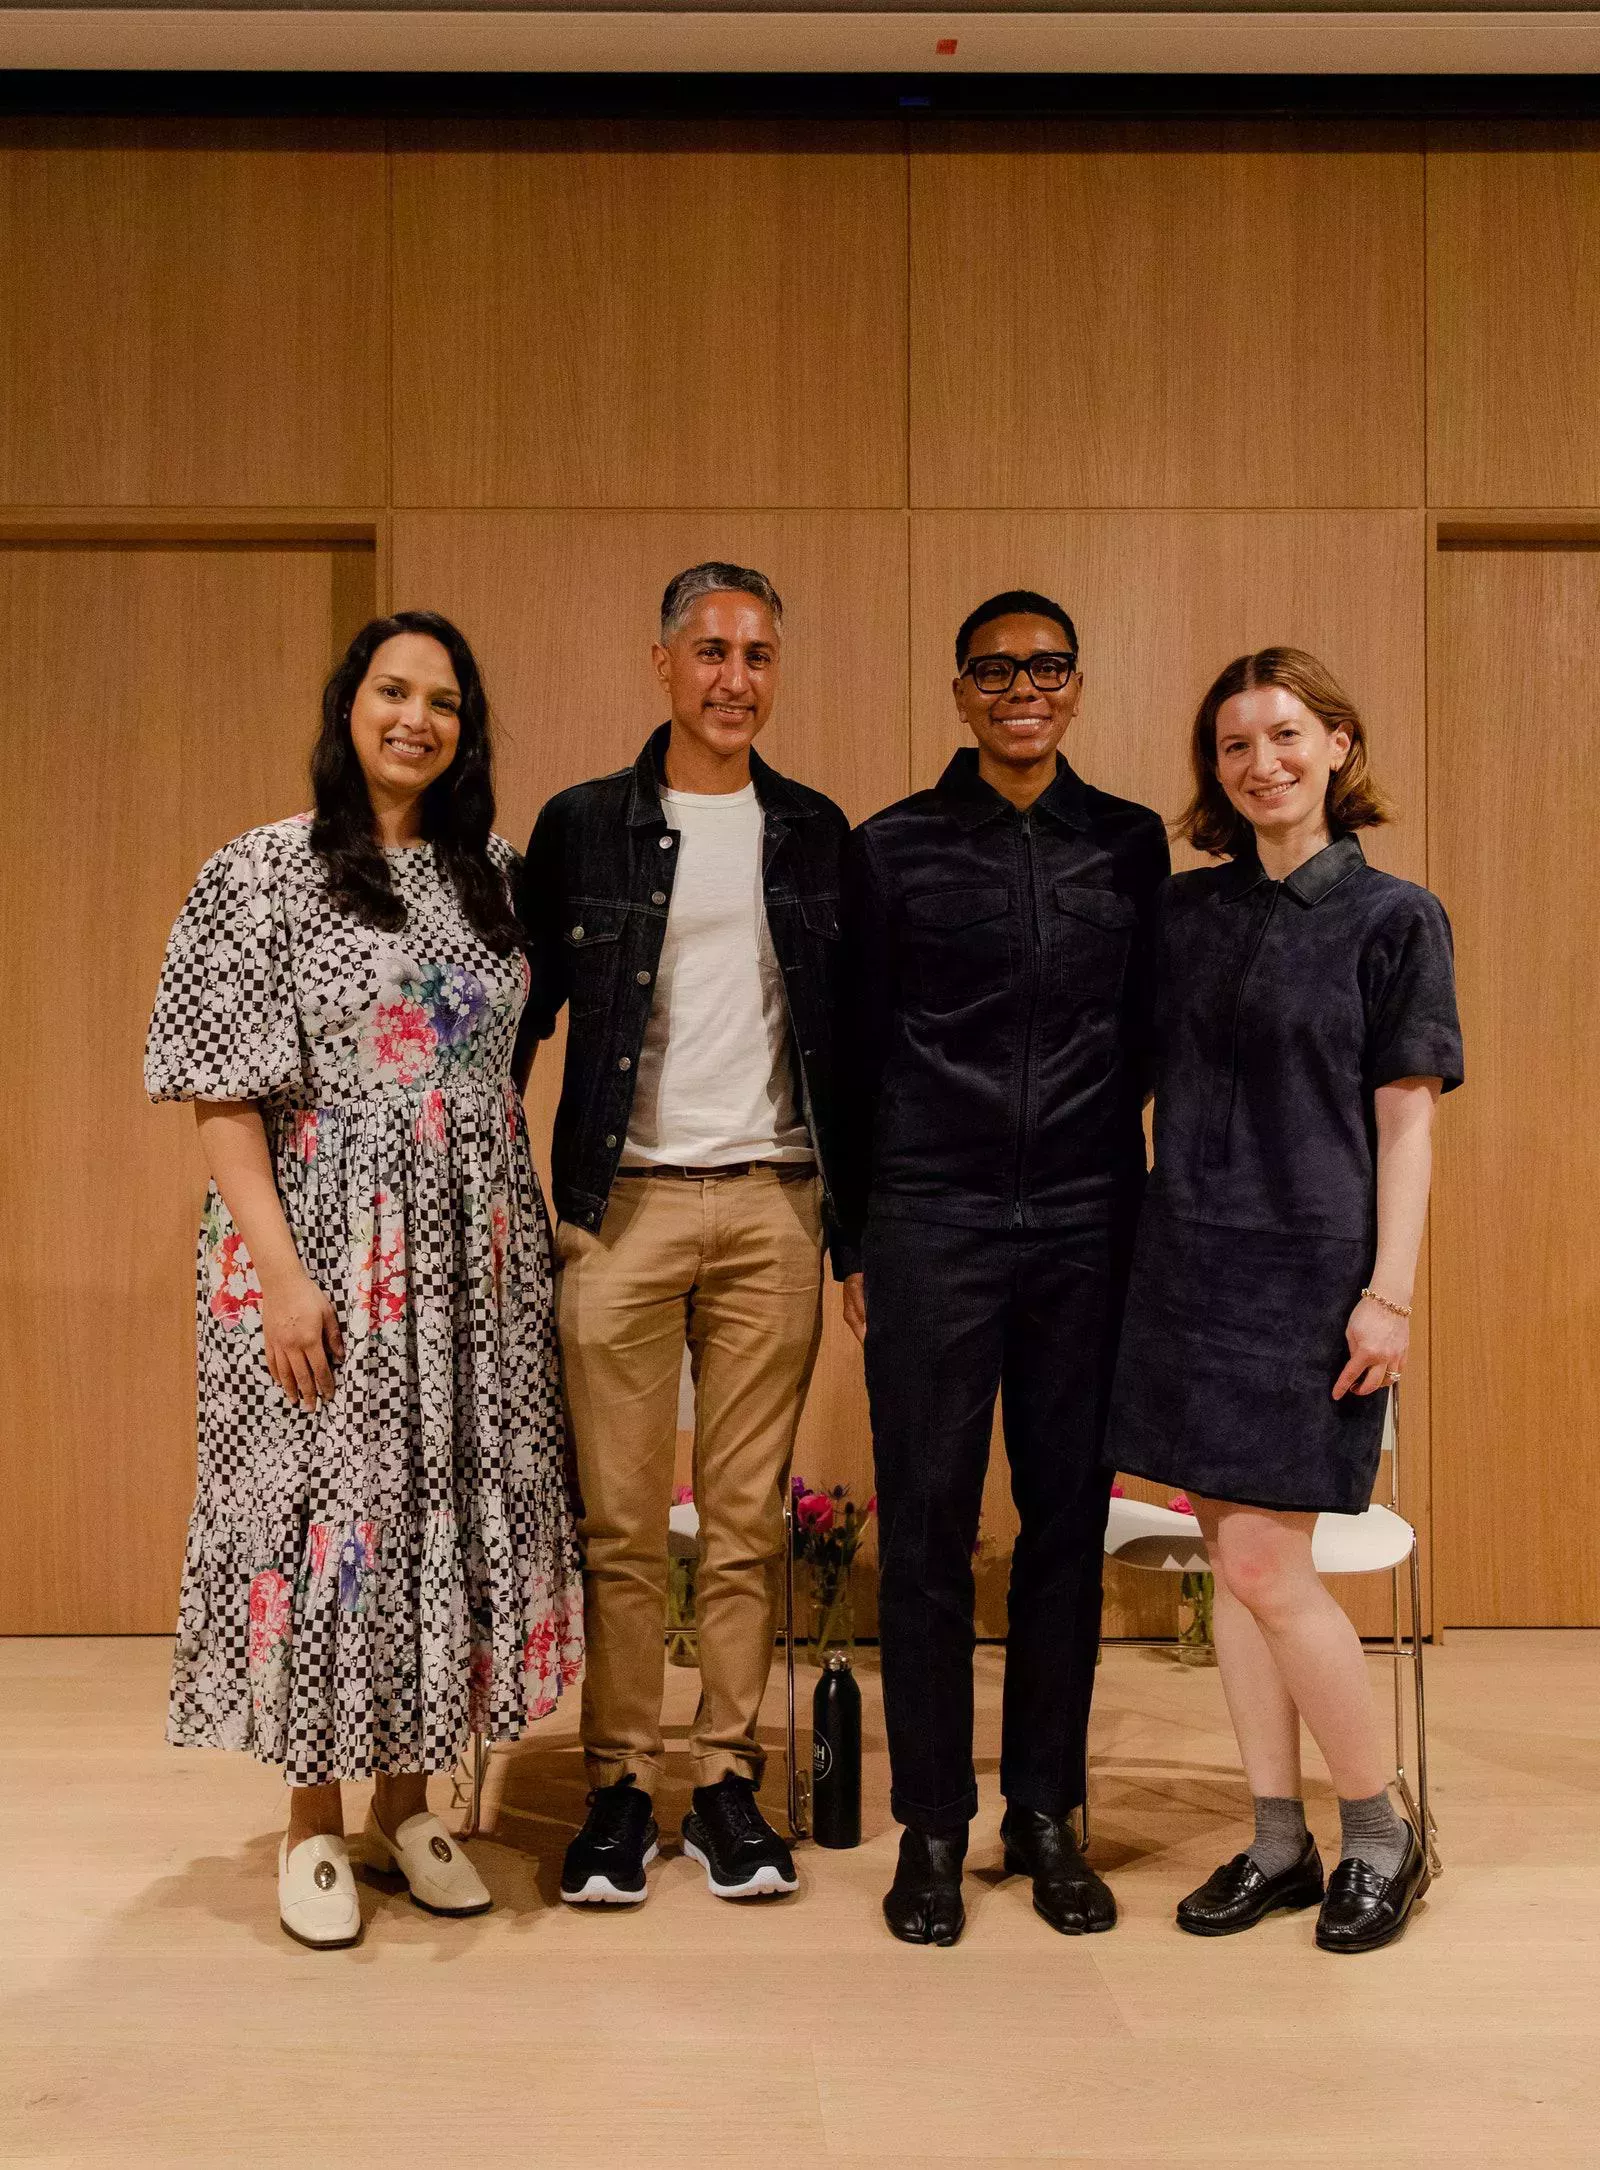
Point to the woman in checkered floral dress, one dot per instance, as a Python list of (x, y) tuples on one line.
[(381, 1554)]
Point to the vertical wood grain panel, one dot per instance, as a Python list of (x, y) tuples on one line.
[(562, 609), (678, 315), (1141, 314), (1514, 315), (1515, 768), (192, 314), (1161, 602), (185, 718)]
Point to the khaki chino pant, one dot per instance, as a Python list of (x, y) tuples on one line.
[(735, 1264)]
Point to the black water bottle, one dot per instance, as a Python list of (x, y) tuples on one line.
[(836, 1756)]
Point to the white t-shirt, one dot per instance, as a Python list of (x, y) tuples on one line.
[(715, 1080)]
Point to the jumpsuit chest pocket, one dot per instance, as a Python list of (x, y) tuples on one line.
[(592, 939), (958, 944), (1093, 938)]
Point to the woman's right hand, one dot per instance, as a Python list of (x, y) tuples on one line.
[(302, 1338)]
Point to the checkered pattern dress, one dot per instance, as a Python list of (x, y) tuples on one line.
[(366, 1582)]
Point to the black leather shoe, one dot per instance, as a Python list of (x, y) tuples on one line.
[(923, 1904), (1237, 1895), (1066, 1891), (1363, 1909)]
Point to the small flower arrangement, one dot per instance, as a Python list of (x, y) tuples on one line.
[(829, 1530)]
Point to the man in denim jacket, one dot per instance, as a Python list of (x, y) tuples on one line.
[(686, 912)]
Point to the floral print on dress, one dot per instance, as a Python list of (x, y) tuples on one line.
[(411, 1541), (235, 1296), (378, 1267)]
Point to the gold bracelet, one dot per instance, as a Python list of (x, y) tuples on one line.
[(1401, 1311)]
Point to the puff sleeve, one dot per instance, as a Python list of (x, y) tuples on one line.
[(1409, 986), (225, 1025)]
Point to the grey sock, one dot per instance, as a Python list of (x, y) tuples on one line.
[(1373, 1833), (1280, 1837)]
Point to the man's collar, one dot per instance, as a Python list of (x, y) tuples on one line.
[(1310, 882), (971, 801), (775, 794)]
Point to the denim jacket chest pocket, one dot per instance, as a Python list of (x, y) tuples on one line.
[(1093, 932), (958, 945), (592, 939)]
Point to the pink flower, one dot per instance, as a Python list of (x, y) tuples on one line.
[(683, 1495), (429, 1128), (1117, 1492), (499, 1240), (1179, 1503), (403, 1042), (235, 1288), (269, 1616), (872, 1504), (317, 1545), (815, 1513), (305, 1134), (480, 1679), (379, 1297)]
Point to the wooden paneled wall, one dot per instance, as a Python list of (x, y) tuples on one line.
[(1212, 385)]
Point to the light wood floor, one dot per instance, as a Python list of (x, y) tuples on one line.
[(152, 2014)]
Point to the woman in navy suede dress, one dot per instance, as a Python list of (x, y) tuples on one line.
[(1307, 1024)]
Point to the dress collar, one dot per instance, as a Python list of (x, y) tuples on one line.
[(1310, 882)]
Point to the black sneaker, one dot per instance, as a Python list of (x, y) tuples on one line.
[(606, 1862), (742, 1855)]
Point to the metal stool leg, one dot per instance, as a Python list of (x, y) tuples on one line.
[(477, 1770), (799, 1826)]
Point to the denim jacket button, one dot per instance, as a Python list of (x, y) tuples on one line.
[(658, 896), (626, 1063), (577, 934), (611, 1138), (643, 978), (664, 843)]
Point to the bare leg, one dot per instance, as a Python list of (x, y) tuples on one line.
[(1263, 1560), (315, 1812), (398, 1796), (1265, 1720)]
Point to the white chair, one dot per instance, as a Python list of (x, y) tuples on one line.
[(1159, 1540), (683, 1542)]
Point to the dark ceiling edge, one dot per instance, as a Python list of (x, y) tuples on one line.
[(88, 94)]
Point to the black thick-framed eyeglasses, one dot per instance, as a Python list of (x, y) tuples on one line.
[(1049, 672)]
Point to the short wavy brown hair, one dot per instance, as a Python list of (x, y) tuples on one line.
[(1210, 822)]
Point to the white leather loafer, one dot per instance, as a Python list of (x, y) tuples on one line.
[(442, 1879), (317, 1902)]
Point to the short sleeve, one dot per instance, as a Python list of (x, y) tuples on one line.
[(1409, 983), (224, 1025)]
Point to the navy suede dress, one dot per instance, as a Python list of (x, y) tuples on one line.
[(1281, 1007)]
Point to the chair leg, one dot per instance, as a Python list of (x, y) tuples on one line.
[(799, 1826), (476, 1761), (1417, 1804)]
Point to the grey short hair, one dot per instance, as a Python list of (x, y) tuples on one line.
[(685, 589)]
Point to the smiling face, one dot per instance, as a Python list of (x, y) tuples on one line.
[(1274, 758), (405, 721), (720, 671), (1023, 726)]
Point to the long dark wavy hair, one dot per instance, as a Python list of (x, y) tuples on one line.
[(457, 807)]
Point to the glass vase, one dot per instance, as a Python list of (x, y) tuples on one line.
[(833, 1611), (683, 1633), (1196, 1644)]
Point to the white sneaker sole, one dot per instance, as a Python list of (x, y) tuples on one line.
[(767, 1882), (601, 1891)]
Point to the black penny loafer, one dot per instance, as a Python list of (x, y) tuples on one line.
[(1237, 1895), (1364, 1910), (1066, 1891), (923, 1904)]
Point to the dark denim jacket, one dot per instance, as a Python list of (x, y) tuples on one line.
[(997, 1035), (593, 894)]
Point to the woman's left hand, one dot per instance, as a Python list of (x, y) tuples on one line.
[(1378, 1341)]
